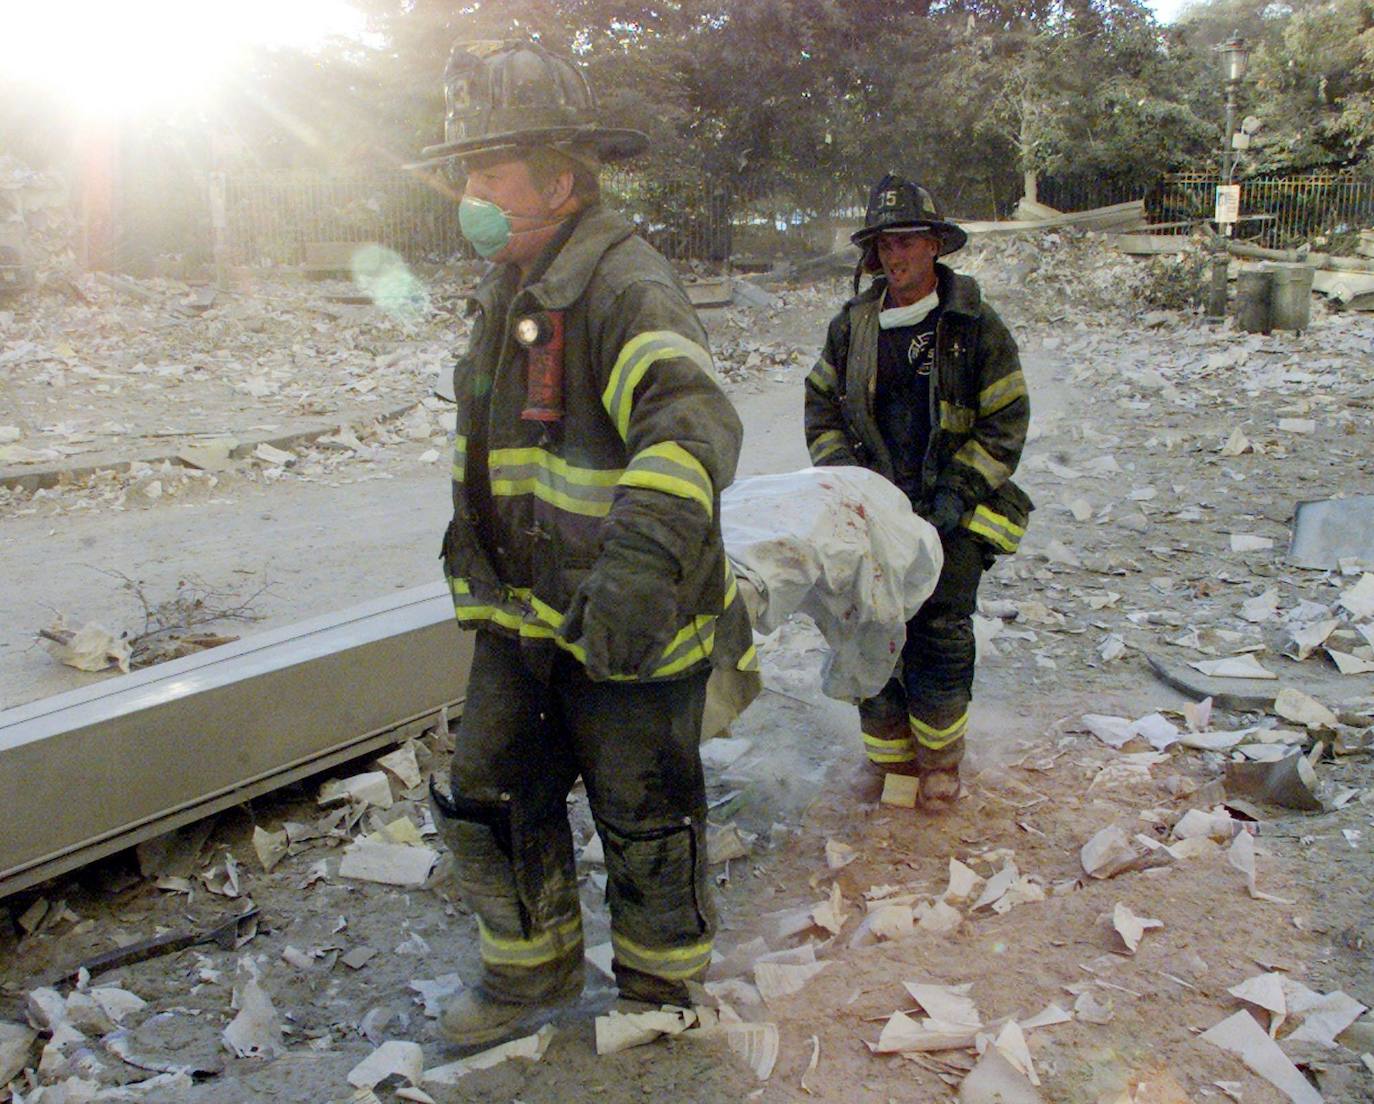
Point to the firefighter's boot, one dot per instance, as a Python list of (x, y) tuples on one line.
[(473, 1018)]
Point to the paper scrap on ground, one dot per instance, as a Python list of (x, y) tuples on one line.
[(270, 846), (1293, 705), (1358, 600), (994, 1080), (1131, 927), (892, 922), (1052, 1014), (948, 1003), (256, 1031), (1328, 1017), (617, 1031), (368, 788), (901, 790), (901, 1034), (90, 648), (1011, 1042), (388, 863), (839, 855), (1348, 664), (434, 992), (402, 764), (831, 913), (1264, 991), (1304, 639), (997, 885), (962, 881), (756, 1043), (1241, 855), (1242, 1036), (531, 1047), (1108, 852), (1240, 667), (394, 1058), (776, 980)]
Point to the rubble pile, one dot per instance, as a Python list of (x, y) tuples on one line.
[(36, 218), (1061, 275)]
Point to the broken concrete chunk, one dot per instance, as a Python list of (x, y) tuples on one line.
[(275, 457), (395, 1058), (16, 1045)]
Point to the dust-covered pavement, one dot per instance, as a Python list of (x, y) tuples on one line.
[(1141, 484)]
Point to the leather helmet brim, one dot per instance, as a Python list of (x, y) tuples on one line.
[(610, 143), (952, 238)]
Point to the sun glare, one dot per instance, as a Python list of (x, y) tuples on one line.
[(109, 57)]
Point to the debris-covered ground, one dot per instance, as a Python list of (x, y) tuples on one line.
[(1116, 911)]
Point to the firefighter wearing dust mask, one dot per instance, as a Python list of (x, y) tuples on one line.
[(919, 380), (592, 447)]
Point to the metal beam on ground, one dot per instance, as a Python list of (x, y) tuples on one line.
[(90, 772)]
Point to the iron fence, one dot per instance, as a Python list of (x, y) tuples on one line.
[(271, 217), (1277, 212)]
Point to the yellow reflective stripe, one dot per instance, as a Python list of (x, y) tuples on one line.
[(980, 460), (937, 738), (823, 377), (547, 946), (749, 661), (550, 478), (881, 750), (1003, 393), (460, 458), (997, 529), (670, 468), (956, 419), (638, 355), (826, 444), (673, 963)]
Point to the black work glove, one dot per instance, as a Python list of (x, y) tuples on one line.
[(945, 511), (625, 612)]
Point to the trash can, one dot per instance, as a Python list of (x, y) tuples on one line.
[(1290, 295), (1253, 287)]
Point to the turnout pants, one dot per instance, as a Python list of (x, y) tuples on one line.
[(522, 742), (919, 718)]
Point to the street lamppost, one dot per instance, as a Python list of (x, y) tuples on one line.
[(1235, 59)]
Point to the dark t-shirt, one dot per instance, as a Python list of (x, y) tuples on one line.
[(902, 397)]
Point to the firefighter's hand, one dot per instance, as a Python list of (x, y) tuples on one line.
[(945, 512), (625, 612)]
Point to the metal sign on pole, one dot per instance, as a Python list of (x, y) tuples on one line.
[(1228, 205)]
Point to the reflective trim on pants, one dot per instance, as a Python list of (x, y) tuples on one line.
[(879, 750), (539, 950), (672, 963), (929, 736)]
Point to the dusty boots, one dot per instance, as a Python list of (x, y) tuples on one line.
[(472, 1018), (939, 788)]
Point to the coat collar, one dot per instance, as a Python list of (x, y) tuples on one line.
[(958, 294)]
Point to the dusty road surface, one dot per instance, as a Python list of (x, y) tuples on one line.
[(1161, 446)]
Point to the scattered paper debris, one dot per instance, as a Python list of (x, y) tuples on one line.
[(1293, 705), (963, 880), (370, 788), (387, 863), (1242, 1036), (901, 790), (831, 913), (255, 1032), (1131, 927), (776, 980), (839, 855), (531, 1047), (1242, 856), (402, 765), (617, 1031), (270, 846), (394, 1058), (756, 1043), (1108, 852), (435, 992), (994, 1080), (1238, 667)]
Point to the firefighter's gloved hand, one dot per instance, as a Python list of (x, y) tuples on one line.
[(625, 612), (945, 511)]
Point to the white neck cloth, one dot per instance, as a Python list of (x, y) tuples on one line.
[(894, 317)]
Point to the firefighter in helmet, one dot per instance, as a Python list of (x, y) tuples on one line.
[(585, 551), (920, 381)]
